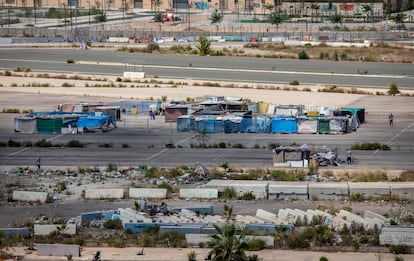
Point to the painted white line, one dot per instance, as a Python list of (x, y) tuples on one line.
[(27, 148), (156, 154), (399, 134)]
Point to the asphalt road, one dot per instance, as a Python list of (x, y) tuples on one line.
[(146, 145), (103, 61)]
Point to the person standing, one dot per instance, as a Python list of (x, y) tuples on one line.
[(349, 156), (391, 119), (38, 164)]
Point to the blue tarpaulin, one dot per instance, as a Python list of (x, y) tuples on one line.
[(283, 124)]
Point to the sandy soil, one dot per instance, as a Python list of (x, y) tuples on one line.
[(180, 254), (180, 92), (253, 91)]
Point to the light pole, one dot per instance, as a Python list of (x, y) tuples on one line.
[(89, 12)]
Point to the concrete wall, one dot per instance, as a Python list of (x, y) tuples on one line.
[(57, 250), (257, 188), (288, 190), (403, 190), (104, 193), (45, 230), (147, 193), (197, 239), (30, 196), (396, 235), (370, 189), (10, 232), (202, 193), (328, 190)]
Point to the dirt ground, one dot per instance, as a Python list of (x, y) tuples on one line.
[(73, 94), (180, 254)]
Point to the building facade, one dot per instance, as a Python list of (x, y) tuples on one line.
[(298, 8)]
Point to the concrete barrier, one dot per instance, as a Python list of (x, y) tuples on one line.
[(197, 239), (402, 190), (397, 235), (12, 232), (288, 190), (369, 189), (104, 193), (57, 250), (30, 196), (328, 190), (148, 193), (134, 75), (199, 193), (45, 230)]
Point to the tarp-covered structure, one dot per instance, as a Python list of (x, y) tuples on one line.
[(293, 156), (284, 124)]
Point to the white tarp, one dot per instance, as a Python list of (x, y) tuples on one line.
[(307, 126)]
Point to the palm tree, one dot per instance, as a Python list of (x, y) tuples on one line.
[(226, 245), (399, 20), (276, 19), (315, 7), (216, 17), (369, 9), (336, 19)]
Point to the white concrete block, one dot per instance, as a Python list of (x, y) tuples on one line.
[(45, 230), (30, 196), (199, 193), (397, 235), (104, 193), (148, 193), (134, 75)]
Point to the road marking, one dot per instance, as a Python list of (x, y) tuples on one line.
[(399, 134), (27, 148), (164, 150)]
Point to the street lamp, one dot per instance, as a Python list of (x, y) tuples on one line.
[(89, 12)]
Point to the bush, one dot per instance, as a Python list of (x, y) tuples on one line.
[(248, 196), (370, 146), (222, 145), (400, 249), (393, 89), (113, 224), (74, 144), (255, 245), (237, 146), (13, 143), (229, 193), (303, 55), (294, 82), (323, 258), (43, 143), (152, 47)]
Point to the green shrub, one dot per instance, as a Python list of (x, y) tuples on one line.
[(74, 144), (237, 146), (294, 82), (222, 145), (303, 55), (66, 84), (229, 193), (400, 249), (43, 143), (105, 145), (152, 47), (192, 256), (255, 245), (393, 89), (113, 224), (370, 146), (13, 143), (323, 258), (248, 196)]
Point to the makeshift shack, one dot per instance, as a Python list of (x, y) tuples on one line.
[(291, 156)]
